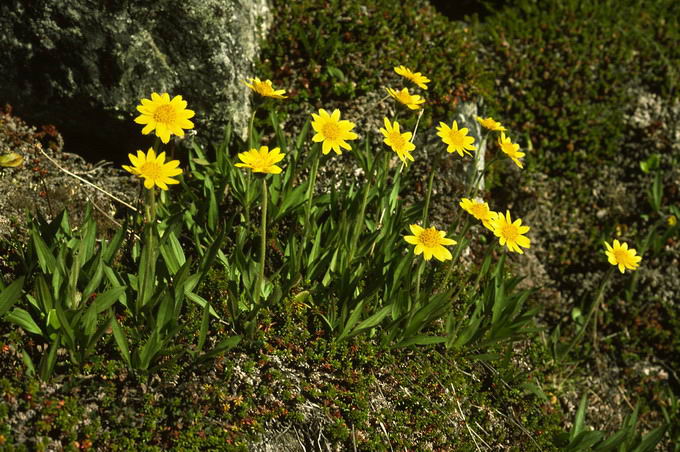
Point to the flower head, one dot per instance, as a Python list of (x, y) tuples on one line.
[(399, 142), (430, 242), (622, 256), (511, 149), (509, 233), (456, 139), (416, 77), (262, 161), (332, 132), (153, 169), (265, 88), (412, 101), (491, 124), (167, 117), (479, 210)]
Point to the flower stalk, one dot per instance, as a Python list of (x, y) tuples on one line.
[(263, 239)]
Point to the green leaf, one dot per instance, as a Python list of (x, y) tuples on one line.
[(353, 319), (48, 263), (22, 318), (422, 340), (372, 321), (579, 422), (613, 441), (147, 268), (48, 361), (105, 300), (203, 332), (212, 211), (11, 295), (172, 252), (225, 345), (202, 302), (88, 239), (164, 315), (149, 350), (65, 324), (113, 245), (584, 441), (121, 340), (292, 201), (651, 439), (28, 362)]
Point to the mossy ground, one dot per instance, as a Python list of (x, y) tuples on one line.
[(592, 87)]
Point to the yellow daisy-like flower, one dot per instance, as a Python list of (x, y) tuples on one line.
[(511, 149), (167, 117), (430, 242), (262, 161), (412, 101), (332, 132), (622, 256), (399, 142), (490, 124), (265, 88), (510, 234), (153, 169), (457, 140), (479, 210), (416, 77)]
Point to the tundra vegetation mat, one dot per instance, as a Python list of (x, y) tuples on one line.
[(266, 294)]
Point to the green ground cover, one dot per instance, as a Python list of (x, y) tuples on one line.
[(342, 354)]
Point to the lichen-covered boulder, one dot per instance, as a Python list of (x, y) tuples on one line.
[(83, 66)]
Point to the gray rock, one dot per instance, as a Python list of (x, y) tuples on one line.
[(84, 65)]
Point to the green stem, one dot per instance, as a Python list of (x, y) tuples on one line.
[(358, 224), (310, 188), (456, 253), (419, 273), (151, 206), (593, 310), (263, 238), (429, 191), (251, 139)]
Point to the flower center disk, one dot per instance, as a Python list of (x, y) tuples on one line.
[(164, 114), (151, 170), (331, 131), (397, 140), (510, 232), (456, 138), (429, 238), (621, 256)]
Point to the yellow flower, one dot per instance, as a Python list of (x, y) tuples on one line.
[(167, 117), (457, 140), (489, 123), (430, 242), (265, 88), (511, 149), (416, 77), (509, 233), (622, 256), (672, 221), (399, 142), (479, 210), (412, 101), (262, 161), (153, 169), (332, 131)]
